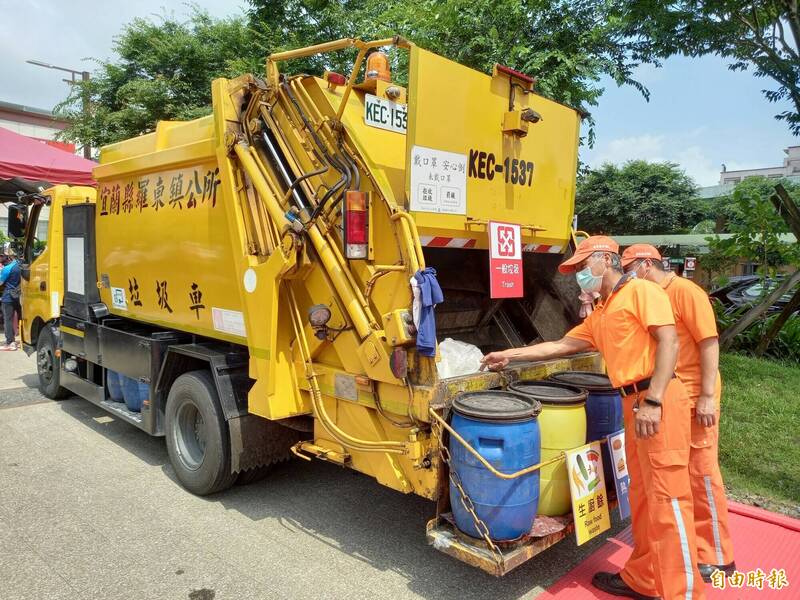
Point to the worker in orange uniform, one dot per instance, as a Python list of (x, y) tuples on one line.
[(698, 369), (634, 330)]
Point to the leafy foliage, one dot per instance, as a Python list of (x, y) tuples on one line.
[(164, 71), (637, 198), (785, 346), (566, 44), (756, 228), (758, 34), (165, 65)]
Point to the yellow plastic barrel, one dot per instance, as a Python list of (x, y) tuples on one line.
[(562, 424)]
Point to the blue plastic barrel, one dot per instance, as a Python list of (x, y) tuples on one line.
[(502, 427), (114, 386), (134, 392), (603, 410)]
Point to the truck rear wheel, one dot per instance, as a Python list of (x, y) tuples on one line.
[(197, 435), (48, 366)]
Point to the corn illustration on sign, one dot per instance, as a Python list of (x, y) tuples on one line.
[(588, 491)]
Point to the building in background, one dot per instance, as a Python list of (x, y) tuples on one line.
[(790, 167), (728, 179), (35, 123), (676, 248)]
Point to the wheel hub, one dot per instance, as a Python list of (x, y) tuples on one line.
[(190, 435), (45, 363)]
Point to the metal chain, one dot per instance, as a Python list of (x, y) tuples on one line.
[(444, 453)]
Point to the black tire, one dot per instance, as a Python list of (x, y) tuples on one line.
[(48, 366), (197, 435)]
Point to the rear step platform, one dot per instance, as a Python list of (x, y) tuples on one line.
[(443, 535)]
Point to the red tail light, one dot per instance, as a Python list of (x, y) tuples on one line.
[(356, 224), (334, 79)]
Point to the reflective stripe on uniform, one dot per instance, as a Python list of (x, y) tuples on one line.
[(714, 521), (687, 559)]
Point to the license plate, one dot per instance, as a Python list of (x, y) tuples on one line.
[(385, 114)]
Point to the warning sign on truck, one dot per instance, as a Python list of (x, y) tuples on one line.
[(505, 260)]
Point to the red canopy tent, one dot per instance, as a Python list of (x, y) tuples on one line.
[(29, 159)]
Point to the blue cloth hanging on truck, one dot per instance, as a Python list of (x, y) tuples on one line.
[(431, 295)]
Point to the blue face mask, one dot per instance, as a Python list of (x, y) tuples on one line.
[(588, 281)]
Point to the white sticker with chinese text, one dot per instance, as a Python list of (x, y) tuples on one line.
[(228, 321), (118, 299), (438, 181)]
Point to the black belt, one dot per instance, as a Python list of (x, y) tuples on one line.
[(637, 386)]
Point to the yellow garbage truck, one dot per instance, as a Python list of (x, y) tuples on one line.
[(248, 274)]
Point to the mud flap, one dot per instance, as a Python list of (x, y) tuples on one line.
[(257, 442)]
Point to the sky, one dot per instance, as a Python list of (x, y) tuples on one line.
[(700, 114)]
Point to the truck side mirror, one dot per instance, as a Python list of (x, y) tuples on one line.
[(17, 219)]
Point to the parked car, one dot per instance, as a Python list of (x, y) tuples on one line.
[(748, 290)]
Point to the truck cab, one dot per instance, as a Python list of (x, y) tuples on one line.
[(42, 277)]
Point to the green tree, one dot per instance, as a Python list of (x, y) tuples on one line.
[(760, 34), (732, 213), (637, 198), (568, 45), (164, 70), (756, 227)]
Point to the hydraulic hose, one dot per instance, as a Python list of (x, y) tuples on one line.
[(275, 154), (327, 423), (343, 165), (293, 92)]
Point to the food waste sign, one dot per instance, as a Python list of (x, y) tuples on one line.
[(505, 260), (616, 446), (588, 491)]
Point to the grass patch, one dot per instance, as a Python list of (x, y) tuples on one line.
[(760, 427)]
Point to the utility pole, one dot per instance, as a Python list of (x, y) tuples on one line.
[(87, 149)]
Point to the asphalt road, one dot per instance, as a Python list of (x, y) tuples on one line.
[(90, 508)]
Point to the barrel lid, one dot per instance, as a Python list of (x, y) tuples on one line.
[(594, 382), (550, 392), (496, 405)]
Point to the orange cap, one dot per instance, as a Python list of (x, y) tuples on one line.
[(638, 251), (594, 243)]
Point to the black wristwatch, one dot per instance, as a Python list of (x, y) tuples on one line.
[(652, 401)]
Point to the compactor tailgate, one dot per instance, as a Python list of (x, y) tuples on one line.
[(463, 170)]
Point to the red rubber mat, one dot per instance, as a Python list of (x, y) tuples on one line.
[(761, 540)]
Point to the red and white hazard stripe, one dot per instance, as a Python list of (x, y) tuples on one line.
[(432, 241), (545, 248), (435, 241)]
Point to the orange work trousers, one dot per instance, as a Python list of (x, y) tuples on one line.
[(714, 544), (664, 558)]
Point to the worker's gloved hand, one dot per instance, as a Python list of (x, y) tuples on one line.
[(587, 303), (706, 410), (494, 361)]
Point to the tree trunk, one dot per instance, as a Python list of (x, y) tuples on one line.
[(750, 317), (787, 209), (777, 325)]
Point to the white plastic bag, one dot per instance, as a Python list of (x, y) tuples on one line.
[(416, 305), (458, 358)]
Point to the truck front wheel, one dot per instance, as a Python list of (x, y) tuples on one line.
[(197, 435), (48, 366)]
